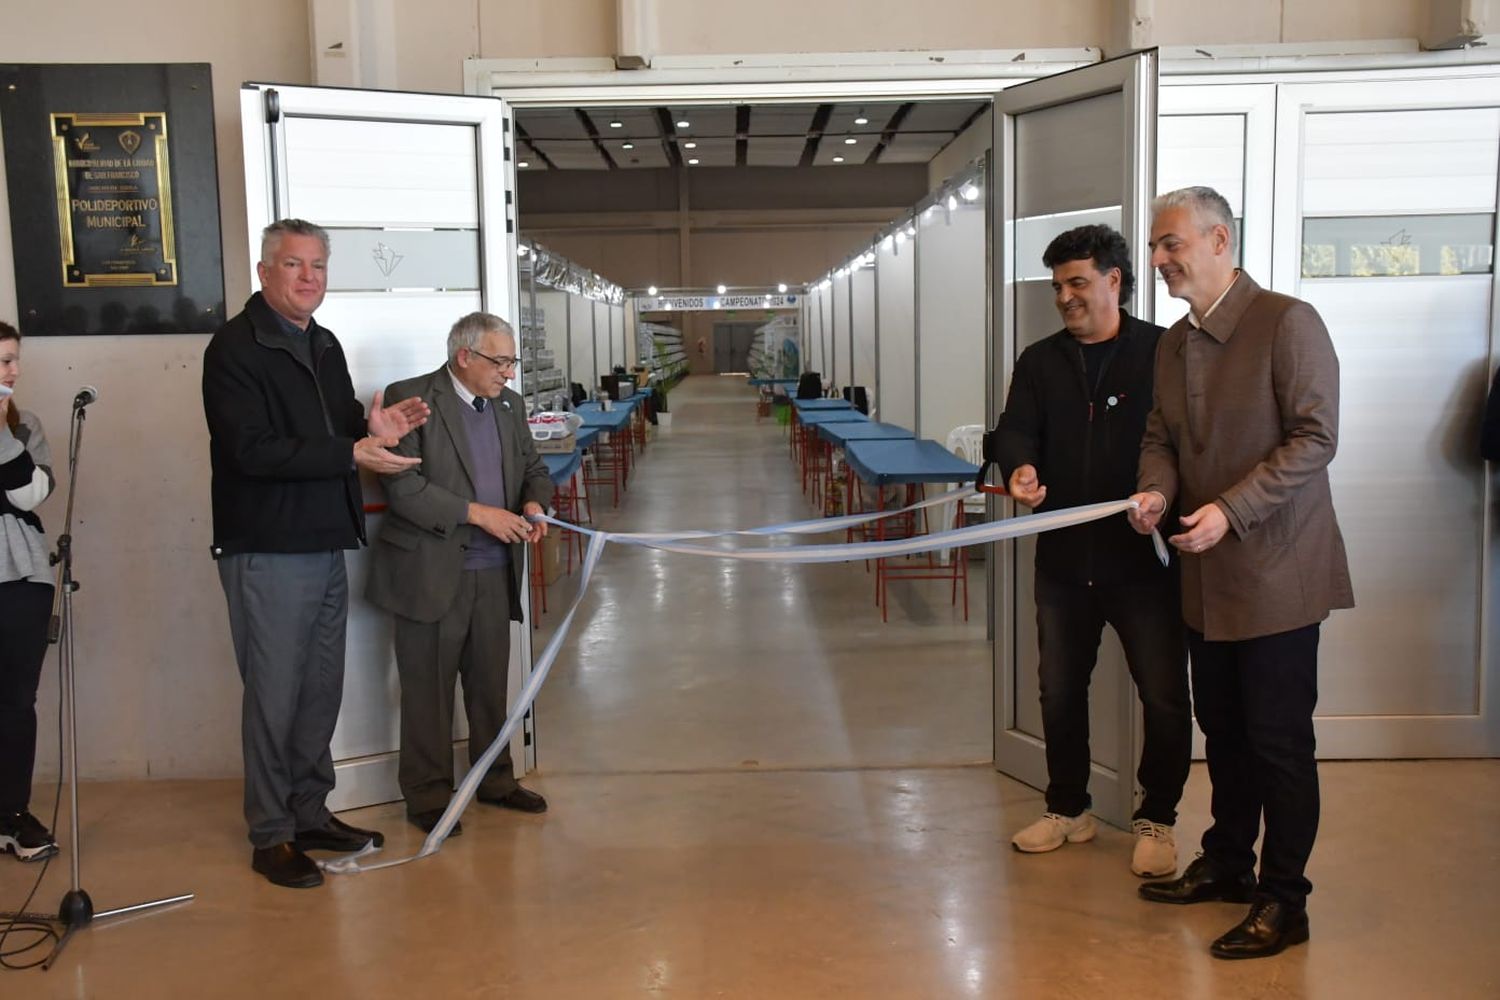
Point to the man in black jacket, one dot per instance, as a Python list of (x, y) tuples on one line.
[(286, 440), (1071, 435), (1489, 435)]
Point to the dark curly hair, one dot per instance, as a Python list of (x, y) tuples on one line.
[(1101, 244), (8, 332)]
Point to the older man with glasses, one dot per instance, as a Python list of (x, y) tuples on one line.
[(447, 562)]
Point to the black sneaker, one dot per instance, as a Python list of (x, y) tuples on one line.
[(23, 835)]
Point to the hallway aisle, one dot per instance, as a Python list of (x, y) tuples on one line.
[(680, 663)]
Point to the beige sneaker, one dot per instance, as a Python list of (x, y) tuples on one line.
[(1155, 849), (1049, 832)]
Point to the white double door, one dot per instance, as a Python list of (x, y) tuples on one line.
[(416, 192)]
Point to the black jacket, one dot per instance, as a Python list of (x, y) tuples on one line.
[(1085, 450), (281, 439)]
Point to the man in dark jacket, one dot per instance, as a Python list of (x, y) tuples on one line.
[(286, 438), (1070, 435), (1489, 437)]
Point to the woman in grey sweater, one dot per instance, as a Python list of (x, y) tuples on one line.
[(25, 605)]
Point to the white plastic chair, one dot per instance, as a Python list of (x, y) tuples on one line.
[(967, 442)]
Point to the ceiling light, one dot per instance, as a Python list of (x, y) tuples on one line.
[(838, 159), (690, 145), (524, 164), (861, 120), (693, 162), (911, 231), (667, 306), (722, 289), (890, 242), (684, 123), (627, 145), (850, 141), (781, 289), (952, 203), (651, 290), (970, 192), (900, 237), (616, 124)]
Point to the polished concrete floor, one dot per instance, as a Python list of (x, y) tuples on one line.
[(767, 796)]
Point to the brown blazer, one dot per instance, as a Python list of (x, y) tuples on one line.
[(1246, 415)]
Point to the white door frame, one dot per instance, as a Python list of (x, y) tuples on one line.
[(1017, 752), (371, 778)]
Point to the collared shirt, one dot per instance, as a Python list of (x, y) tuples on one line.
[(463, 390), (301, 342), (1198, 321)]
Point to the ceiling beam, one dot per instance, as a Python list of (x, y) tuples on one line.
[(741, 134), (668, 136), (888, 133), (815, 134), (525, 139), (593, 133)]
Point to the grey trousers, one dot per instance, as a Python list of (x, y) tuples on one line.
[(472, 641), (287, 613)]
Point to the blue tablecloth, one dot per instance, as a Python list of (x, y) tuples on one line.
[(840, 433), (619, 404), (886, 463), (563, 466), (806, 405), (587, 436), (616, 419), (819, 417)]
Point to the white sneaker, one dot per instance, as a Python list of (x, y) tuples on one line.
[(1155, 849), (1049, 833)]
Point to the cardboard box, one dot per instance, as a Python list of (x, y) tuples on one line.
[(557, 445), (552, 556)]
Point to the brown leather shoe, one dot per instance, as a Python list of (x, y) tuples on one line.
[(1269, 928), (1202, 882), (518, 798), (286, 866)]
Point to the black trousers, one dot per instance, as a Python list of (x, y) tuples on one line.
[(1254, 700), (1148, 619), (25, 608)]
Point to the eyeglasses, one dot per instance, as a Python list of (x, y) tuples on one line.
[(501, 362)]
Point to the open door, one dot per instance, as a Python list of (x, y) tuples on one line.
[(1069, 150), (416, 192)]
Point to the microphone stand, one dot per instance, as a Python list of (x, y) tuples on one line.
[(76, 909)]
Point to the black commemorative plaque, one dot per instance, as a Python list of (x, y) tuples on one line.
[(113, 190)]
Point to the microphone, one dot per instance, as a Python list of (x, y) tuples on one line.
[(86, 395)]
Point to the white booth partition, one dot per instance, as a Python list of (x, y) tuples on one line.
[(817, 324), (605, 353), (552, 317), (951, 311), (837, 373), (583, 358), (619, 341), (895, 392), (862, 327)]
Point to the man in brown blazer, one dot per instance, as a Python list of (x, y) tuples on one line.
[(447, 562), (1244, 424)]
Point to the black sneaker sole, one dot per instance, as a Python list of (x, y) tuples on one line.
[(27, 854)]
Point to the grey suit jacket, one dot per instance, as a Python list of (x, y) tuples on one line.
[(418, 554), (1246, 415)]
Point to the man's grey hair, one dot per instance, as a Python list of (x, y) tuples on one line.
[(270, 237), (1209, 208), (470, 330)]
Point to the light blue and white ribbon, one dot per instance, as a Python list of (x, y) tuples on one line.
[(683, 542)]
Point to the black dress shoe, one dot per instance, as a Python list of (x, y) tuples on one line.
[(285, 865), (336, 835), (1201, 882), (1269, 927), (518, 798), (425, 821)]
